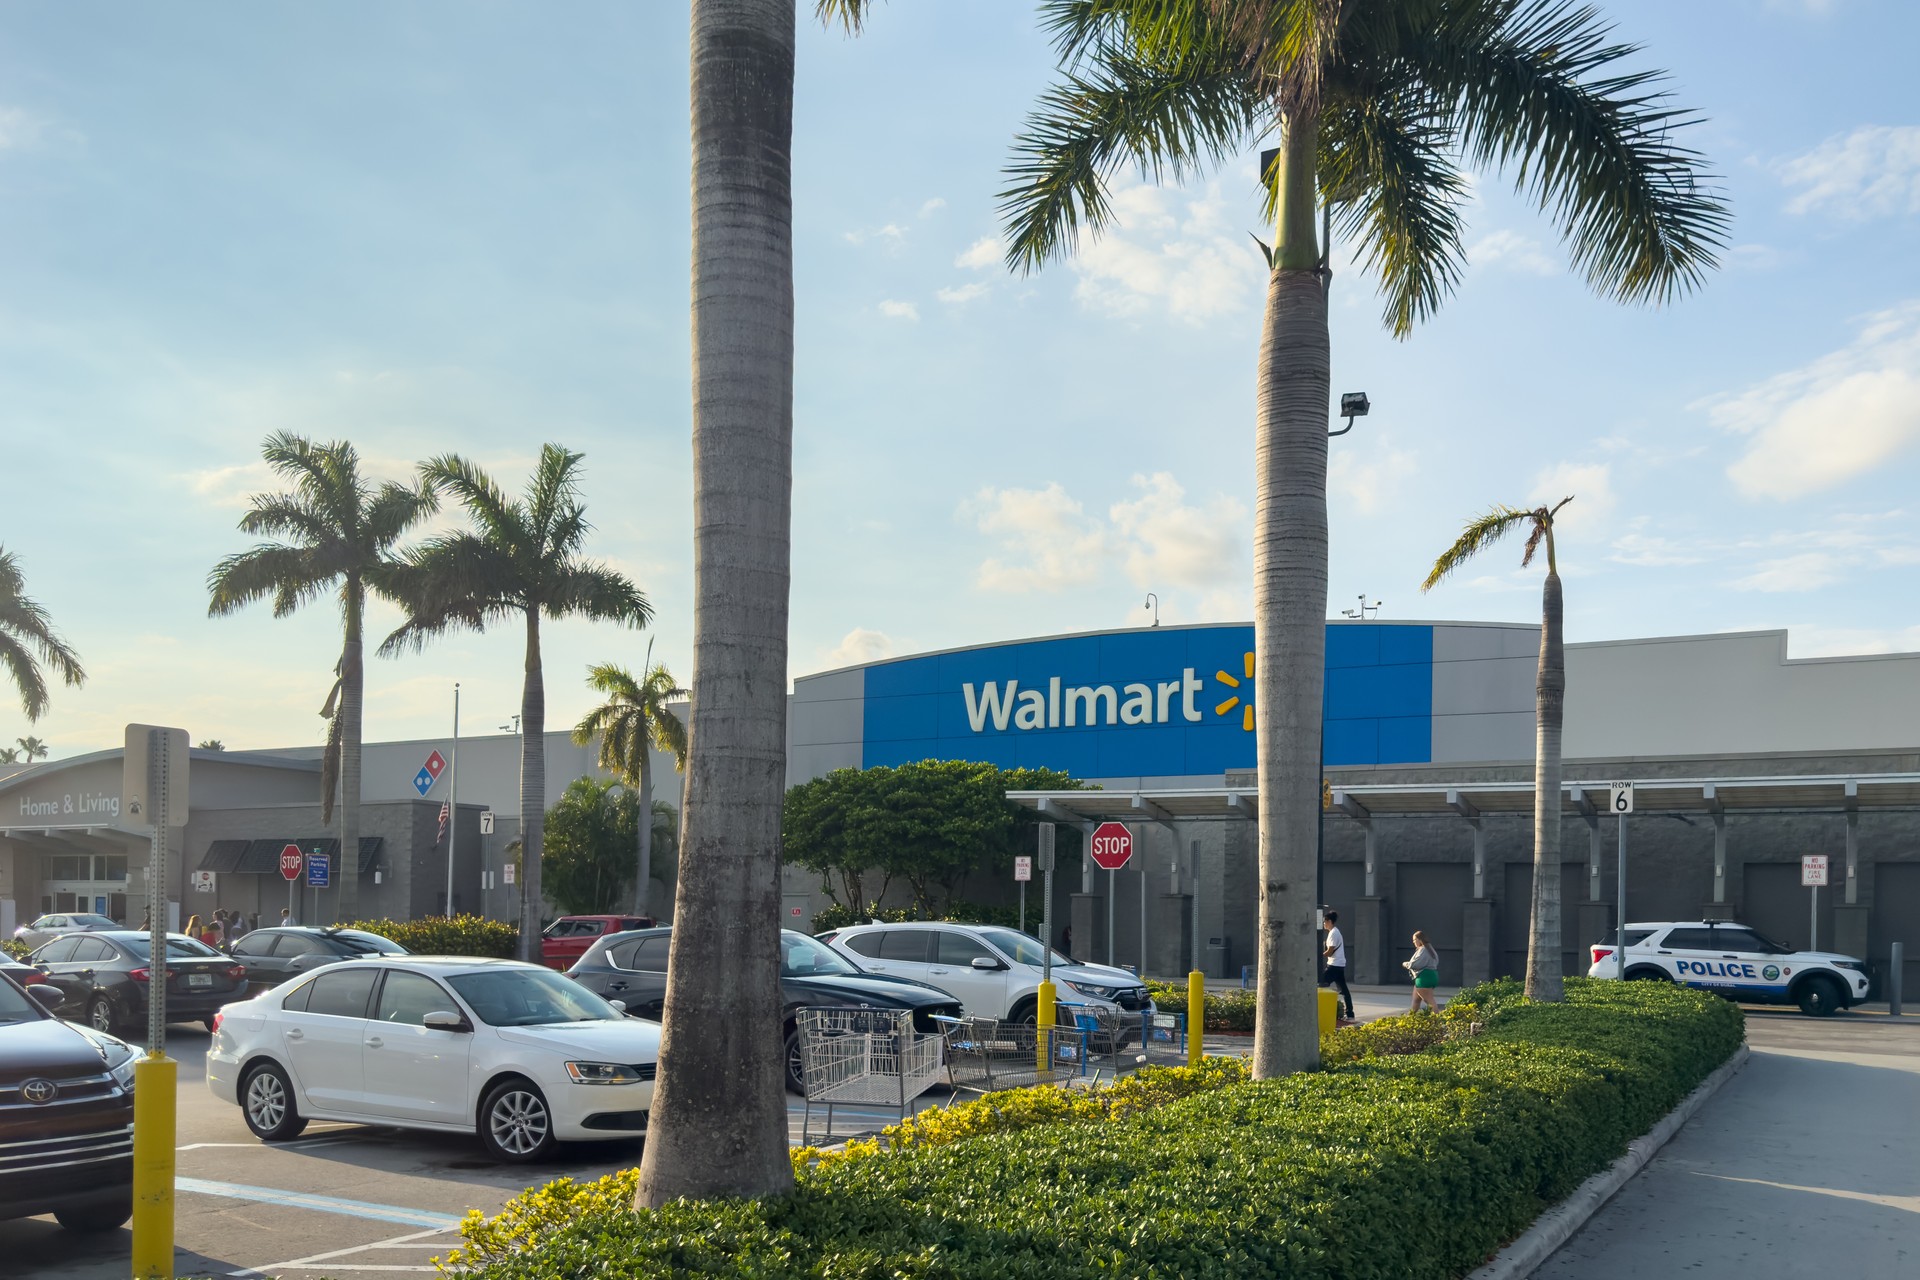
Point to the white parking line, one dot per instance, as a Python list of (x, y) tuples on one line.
[(434, 1239)]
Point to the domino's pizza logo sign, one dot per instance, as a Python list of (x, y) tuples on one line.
[(429, 773)]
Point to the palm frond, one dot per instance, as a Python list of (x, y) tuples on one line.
[(1166, 115), (552, 494), (289, 575), (26, 676), (850, 14), (330, 757), (499, 517), (455, 582), (1536, 88), (291, 516), (1475, 538), (593, 591)]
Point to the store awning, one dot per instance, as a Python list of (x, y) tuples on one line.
[(262, 857)]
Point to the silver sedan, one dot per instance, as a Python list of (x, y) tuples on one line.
[(49, 927)]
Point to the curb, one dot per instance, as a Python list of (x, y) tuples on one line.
[(1559, 1224)]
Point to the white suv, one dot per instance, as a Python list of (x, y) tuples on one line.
[(993, 971), (1738, 962)]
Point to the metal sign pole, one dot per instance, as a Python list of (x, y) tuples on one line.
[(453, 797), (1113, 878), (157, 861), (1023, 906), (1143, 916), (1813, 921), (1620, 911), (1043, 1015)]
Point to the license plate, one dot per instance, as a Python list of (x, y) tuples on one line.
[(199, 979)]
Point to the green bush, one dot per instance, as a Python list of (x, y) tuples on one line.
[(840, 916), (1226, 1010), (440, 936), (1418, 1165), (16, 948)]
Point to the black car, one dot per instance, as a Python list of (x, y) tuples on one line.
[(66, 1117), (287, 951), (103, 977), (632, 968)]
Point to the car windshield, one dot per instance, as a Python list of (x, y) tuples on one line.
[(529, 998), (184, 948), (1024, 948), (15, 1005), (94, 922), (803, 957), (366, 944)]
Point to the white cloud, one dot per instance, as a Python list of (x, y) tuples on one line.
[(1651, 551), (982, 255), (229, 488), (1753, 257), (1169, 543), (1371, 478), (963, 293), (1051, 540), (1873, 172), (1805, 572), (21, 129), (932, 207), (860, 645), (1833, 419), (1820, 641), (891, 233), (1167, 251), (1514, 251), (897, 310)]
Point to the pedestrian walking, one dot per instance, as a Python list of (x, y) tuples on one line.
[(286, 917), (1424, 968), (193, 926), (1335, 974)]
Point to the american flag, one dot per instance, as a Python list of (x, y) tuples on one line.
[(443, 823)]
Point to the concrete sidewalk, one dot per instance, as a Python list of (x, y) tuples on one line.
[(1803, 1165)]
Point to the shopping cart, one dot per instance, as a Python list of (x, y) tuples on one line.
[(986, 1054), (863, 1057)]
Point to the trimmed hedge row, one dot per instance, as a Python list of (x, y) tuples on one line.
[(439, 936), (1226, 1010), (1417, 1165)]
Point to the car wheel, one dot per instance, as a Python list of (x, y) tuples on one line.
[(1820, 997), (796, 1073), (1027, 1014), (101, 1215), (100, 1015), (266, 1099), (515, 1122)]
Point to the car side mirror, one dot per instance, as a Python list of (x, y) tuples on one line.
[(988, 963), (445, 1020), (46, 994), (619, 1006)]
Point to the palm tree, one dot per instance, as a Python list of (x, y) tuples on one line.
[(631, 723), (1375, 105), (28, 640), (210, 744), (9, 755), (719, 1123), (337, 533), (1549, 708), (32, 749), (520, 561)]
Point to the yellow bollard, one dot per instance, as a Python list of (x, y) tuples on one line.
[(1196, 1015), (154, 1079), (1329, 1010), (1043, 1031)]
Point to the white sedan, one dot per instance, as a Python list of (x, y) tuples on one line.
[(514, 1052)]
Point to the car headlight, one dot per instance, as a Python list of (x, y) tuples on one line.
[(602, 1073), (1089, 989), (123, 1074), (1849, 964)]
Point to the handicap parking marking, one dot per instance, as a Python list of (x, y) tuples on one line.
[(320, 1203)]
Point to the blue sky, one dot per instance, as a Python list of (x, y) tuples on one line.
[(463, 226)]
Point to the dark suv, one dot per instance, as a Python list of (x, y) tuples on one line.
[(632, 968), (66, 1116)]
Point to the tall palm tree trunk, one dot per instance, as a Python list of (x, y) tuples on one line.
[(642, 889), (1290, 610), (533, 792), (353, 680), (1550, 698), (720, 1119)]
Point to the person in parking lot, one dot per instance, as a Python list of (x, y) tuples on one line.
[(1336, 970), (1424, 967), (286, 917)]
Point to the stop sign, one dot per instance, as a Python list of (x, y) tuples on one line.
[(291, 862), (1112, 845)]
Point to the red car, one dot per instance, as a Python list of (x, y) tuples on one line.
[(567, 939)]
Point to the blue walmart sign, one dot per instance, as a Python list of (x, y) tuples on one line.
[(1155, 703)]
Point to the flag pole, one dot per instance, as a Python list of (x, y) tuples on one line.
[(453, 798)]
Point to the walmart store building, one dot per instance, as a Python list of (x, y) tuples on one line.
[(1744, 760)]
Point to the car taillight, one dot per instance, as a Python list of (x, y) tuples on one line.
[(31, 976), (138, 975), (216, 1022), (236, 971), (1601, 953)]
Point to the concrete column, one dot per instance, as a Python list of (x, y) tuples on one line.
[(1850, 932), (1594, 920), (1169, 934), (1372, 857), (1593, 860), (1476, 945), (1719, 860), (1087, 913), (1853, 862), (1479, 859), (1366, 935)]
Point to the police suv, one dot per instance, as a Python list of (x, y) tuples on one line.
[(1737, 962)]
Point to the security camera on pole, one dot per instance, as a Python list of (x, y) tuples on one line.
[(1043, 1007)]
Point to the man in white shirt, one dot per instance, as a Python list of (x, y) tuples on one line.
[(1336, 970)]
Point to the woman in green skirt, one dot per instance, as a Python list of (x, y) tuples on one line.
[(1425, 968)]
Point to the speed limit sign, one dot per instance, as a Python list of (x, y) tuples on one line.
[(1620, 797)]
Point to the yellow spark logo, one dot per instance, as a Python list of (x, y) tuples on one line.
[(1233, 700)]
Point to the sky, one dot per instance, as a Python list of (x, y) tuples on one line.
[(462, 225)]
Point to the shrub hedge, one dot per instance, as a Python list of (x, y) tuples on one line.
[(1413, 1165), (16, 948), (440, 936), (1226, 1010)]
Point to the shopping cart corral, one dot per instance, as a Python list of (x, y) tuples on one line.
[(864, 1057), (1087, 1043)]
